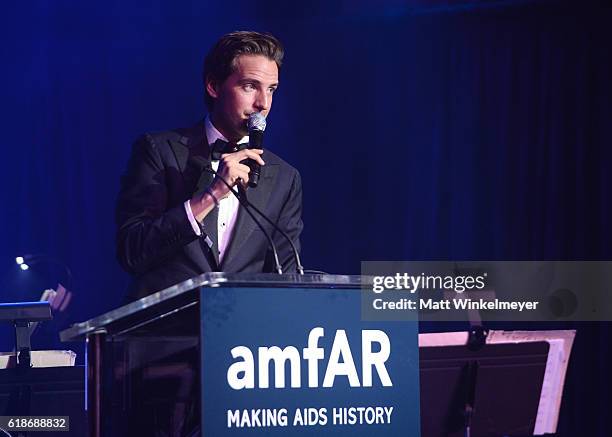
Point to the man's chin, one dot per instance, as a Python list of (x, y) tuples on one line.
[(242, 130)]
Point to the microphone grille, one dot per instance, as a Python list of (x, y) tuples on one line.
[(257, 122)]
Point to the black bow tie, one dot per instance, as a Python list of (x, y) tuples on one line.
[(220, 147)]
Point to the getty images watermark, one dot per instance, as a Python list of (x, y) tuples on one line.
[(487, 290)]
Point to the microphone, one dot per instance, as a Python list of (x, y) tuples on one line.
[(256, 125)]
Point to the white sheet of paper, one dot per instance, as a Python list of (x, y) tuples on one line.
[(41, 359), (561, 342)]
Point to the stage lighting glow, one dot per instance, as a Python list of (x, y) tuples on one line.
[(19, 260), (24, 266)]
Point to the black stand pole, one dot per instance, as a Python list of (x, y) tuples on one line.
[(94, 363), (470, 398), (23, 347)]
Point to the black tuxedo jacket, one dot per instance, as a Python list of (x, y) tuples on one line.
[(155, 240)]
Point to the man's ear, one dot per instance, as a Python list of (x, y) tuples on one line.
[(211, 88)]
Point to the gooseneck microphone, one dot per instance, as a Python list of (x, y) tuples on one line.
[(256, 125), (278, 267), (246, 204), (242, 199)]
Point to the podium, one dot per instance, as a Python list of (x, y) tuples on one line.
[(244, 354)]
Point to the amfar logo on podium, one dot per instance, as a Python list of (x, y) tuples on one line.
[(241, 374)]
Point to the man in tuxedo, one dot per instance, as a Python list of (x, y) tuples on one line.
[(175, 218)]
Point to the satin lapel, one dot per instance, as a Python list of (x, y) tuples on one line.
[(210, 225), (192, 155), (244, 223)]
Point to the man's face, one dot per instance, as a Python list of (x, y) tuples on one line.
[(248, 89)]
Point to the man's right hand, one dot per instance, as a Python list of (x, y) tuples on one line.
[(233, 172)]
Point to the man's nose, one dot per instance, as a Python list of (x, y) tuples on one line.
[(262, 103)]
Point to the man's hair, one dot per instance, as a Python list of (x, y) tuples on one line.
[(220, 62)]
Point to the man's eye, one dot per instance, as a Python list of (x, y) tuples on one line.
[(272, 90), (249, 86)]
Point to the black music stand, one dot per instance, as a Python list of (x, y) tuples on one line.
[(490, 392)]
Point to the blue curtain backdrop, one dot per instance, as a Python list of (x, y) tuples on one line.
[(423, 130)]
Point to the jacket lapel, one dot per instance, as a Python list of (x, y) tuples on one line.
[(193, 157), (244, 223)]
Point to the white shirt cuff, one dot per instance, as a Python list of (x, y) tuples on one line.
[(194, 223)]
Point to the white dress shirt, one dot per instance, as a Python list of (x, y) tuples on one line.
[(228, 206)]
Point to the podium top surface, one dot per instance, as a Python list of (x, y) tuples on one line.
[(186, 293)]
